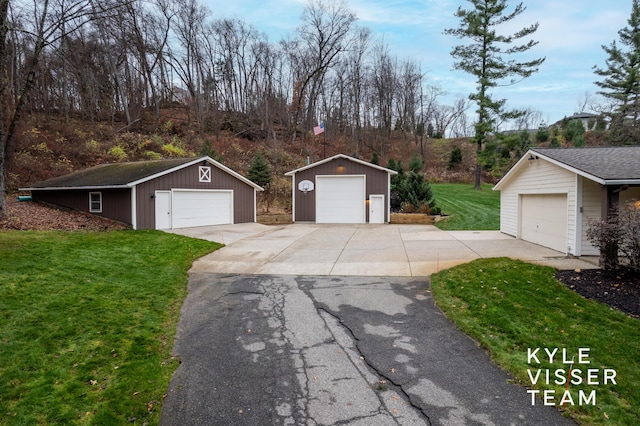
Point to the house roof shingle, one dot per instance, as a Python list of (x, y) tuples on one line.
[(605, 163), (618, 165), (112, 175), (121, 175)]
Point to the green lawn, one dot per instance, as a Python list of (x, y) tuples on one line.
[(467, 208), (87, 322), (510, 306)]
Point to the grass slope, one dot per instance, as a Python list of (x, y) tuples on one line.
[(467, 208), (509, 306), (87, 324)]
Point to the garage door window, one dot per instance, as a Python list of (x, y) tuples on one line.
[(95, 202)]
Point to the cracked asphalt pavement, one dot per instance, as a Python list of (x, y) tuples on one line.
[(331, 350)]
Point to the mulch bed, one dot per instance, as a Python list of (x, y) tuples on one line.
[(619, 289)]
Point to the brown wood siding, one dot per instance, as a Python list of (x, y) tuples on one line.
[(377, 182), (116, 203), (188, 178)]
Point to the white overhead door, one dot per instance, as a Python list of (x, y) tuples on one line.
[(340, 199), (201, 208), (543, 220)]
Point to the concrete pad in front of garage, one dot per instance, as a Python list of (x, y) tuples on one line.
[(296, 261), (423, 233), (225, 234), (365, 250)]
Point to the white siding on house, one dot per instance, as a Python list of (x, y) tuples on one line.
[(590, 210), (538, 177)]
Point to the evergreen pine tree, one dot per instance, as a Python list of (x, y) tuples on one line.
[(259, 172), (621, 82), (374, 159), (208, 150), (483, 57), (455, 157), (416, 191), (416, 164)]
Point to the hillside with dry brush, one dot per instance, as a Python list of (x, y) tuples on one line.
[(49, 146)]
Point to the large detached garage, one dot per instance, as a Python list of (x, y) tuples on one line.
[(341, 189), (550, 195), (160, 194)]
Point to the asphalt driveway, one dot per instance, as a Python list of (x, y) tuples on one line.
[(334, 324), (327, 350), (361, 250)]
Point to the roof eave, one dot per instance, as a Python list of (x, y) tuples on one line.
[(596, 179), (70, 188), (498, 186), (196, 161), (346, 157), (621, 182), (571, 168)]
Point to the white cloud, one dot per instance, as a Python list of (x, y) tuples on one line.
[(412, 13)]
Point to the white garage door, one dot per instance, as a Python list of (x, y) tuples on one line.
[(201, 208), (543, 220), (340, 199)]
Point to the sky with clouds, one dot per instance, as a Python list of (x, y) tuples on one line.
[(570, 36)]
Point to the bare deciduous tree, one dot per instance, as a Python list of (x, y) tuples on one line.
[(530, 119), (112, 59), (323, 36), (48, 22)]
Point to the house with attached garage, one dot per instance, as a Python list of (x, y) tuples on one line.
[(550, 194), (341, 189), (158, 194)]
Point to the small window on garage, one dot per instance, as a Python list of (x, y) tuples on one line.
[(95, 202), (205, 174)]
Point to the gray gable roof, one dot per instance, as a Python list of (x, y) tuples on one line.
[(614, 165), (345, 157), (620, 163), (125, 175), (112, 175)]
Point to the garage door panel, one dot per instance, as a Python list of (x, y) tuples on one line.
[(543, 220), (340, 199), (201, 208)]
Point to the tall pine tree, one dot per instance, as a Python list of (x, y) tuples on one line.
[(621, 82), (484, 57)]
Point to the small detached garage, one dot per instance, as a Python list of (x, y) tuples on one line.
[(550, 194), (158, 194), (341, 189)]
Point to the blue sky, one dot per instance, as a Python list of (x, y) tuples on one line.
[(570, 37)]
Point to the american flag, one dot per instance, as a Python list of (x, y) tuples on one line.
[(318, 129)]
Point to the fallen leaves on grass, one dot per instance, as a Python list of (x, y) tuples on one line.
[(29, 215)]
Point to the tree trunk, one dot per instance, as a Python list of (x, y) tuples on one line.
[(4, 8), (478, 181)]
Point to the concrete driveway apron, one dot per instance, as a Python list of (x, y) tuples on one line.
[(361, 250), (311, 325)]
